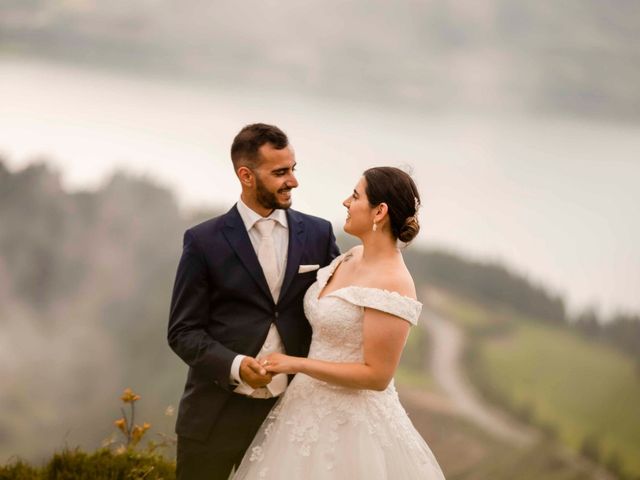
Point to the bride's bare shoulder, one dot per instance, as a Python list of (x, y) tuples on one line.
[(396, 280)]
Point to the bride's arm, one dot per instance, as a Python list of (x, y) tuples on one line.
[(384, 337)]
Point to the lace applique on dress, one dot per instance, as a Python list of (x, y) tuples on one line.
[(384, 300), (315, 425)]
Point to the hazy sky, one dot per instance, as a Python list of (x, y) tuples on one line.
[(555, 198)]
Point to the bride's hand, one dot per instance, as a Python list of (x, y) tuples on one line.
[(280, 363)]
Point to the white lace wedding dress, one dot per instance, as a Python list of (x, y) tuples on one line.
[(320, 431)]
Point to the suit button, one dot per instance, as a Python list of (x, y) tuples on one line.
[(276, 314)]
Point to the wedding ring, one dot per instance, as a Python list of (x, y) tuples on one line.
[(265, 363)]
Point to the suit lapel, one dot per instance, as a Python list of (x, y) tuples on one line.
[(238, 238), (296, 247)]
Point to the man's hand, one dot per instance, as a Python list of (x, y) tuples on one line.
[(254, 374)]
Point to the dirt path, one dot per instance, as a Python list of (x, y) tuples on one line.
[(447, 347), (446, 365)]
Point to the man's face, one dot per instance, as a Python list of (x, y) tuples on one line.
[(275, 177)]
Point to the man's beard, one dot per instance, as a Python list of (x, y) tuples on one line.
[(268, 199)]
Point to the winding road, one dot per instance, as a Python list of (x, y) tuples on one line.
[(447, 346), (459, 397)]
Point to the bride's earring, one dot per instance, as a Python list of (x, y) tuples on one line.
[(375, 226)]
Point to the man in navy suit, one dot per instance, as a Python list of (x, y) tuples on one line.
[(238, 296)]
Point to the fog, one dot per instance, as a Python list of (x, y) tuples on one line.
[(520, 122), (555, 197)]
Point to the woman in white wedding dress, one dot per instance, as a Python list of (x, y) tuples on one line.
[(340, 418)]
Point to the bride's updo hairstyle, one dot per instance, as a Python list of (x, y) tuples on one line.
[(396, 188)]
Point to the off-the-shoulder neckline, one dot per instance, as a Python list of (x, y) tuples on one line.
[(332, 268)]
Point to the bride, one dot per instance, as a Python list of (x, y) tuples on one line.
[(340, 417)]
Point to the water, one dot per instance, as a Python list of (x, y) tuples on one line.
[(556, 198)]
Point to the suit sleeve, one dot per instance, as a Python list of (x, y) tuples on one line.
[(332, 249), (187, 334)]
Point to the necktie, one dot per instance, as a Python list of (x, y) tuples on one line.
[(269, 263), (267, 252)]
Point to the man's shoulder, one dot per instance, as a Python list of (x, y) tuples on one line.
[(212, 225)]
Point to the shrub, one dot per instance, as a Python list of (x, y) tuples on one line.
[(19, 470), (590, 448), (104, 464), (100, 465)]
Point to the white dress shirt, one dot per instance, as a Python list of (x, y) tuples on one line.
[(280, 235)]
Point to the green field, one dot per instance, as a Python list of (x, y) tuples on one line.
[(411, 371), (466, 452), (578, 388)]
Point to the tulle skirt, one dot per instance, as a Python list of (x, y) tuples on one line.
[(317, 431)]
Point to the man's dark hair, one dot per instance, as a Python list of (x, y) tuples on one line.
[(244, 150)]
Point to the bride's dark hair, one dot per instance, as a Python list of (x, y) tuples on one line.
[(397, 189)]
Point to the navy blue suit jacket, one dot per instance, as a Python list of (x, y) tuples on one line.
[(221, 306)]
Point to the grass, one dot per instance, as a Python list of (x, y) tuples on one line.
[(588, 394), (412, 372), (466, 452), (583, 389), (414, 379), (102, 464)]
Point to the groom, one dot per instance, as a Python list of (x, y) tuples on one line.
[(238, 296)]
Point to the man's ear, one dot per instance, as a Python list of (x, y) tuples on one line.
[(245, 175)]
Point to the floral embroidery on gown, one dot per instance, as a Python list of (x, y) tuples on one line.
[(321, 431)]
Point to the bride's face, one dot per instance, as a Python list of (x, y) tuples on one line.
[(359, 213)]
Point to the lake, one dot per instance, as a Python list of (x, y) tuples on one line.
[(555, 198)]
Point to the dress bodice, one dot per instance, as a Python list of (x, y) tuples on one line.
[(337, 317), (319, 430)]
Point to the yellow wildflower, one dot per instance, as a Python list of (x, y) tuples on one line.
[(129, 397), (121, 423), (138, 432)]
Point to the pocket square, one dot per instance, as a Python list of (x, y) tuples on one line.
[(308, 268)]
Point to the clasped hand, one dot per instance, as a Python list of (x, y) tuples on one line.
[(254, 374), (280, 363), (258, 372)]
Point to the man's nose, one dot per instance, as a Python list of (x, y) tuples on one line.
[(292, 181)]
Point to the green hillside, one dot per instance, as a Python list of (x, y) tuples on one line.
[(584, 392), (100, 263)]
